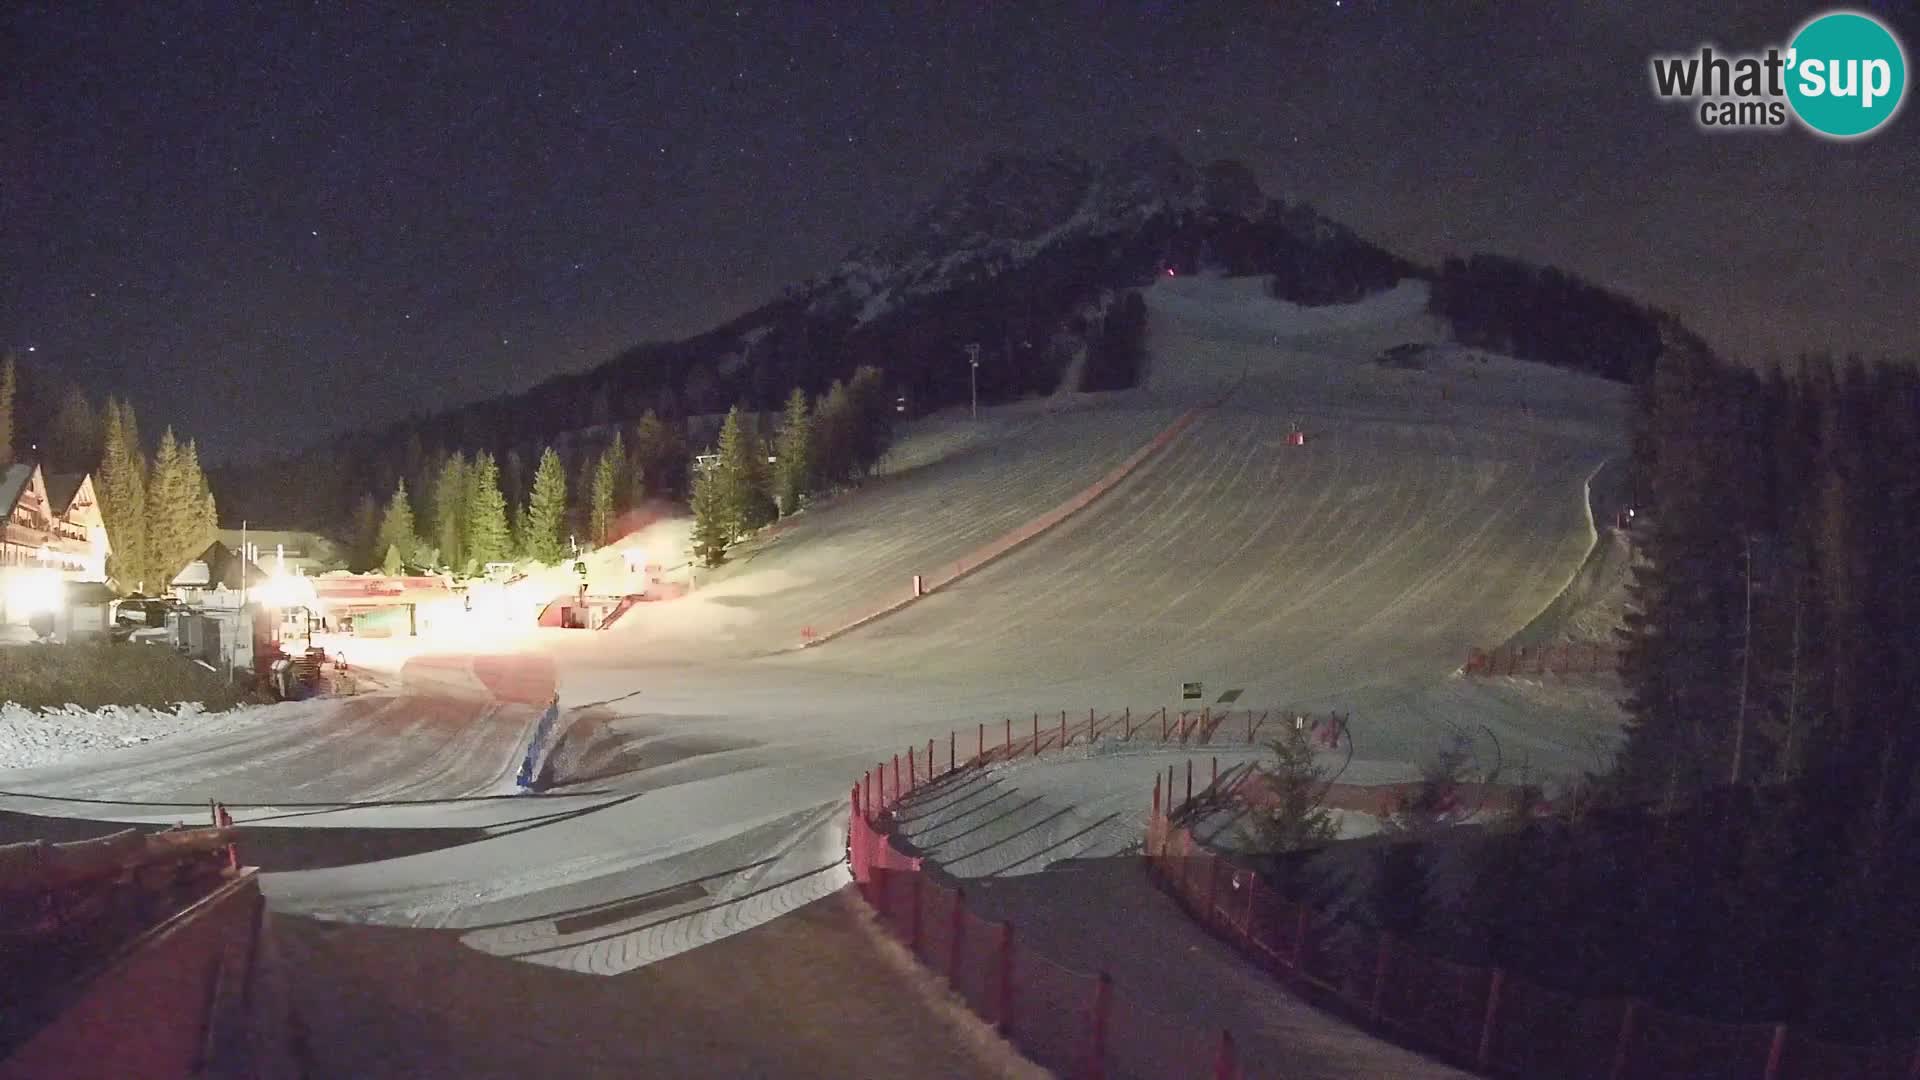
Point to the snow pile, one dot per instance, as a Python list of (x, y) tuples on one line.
[(29, 738)]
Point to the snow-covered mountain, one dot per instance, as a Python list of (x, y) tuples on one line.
[(1013, 207)]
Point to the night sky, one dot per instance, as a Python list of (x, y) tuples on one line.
[(264, 226)]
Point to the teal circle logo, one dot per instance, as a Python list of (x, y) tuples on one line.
[(1846, 74)]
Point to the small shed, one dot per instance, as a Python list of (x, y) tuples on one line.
[(88, 613)]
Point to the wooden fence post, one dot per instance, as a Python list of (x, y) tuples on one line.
[(1246, 919), (913, 921), (1093, 728), (1622, 1048), (957, 928), (1096, 1065), (1009, 753), (1213, 888), (1489, 1018), (1006, 979), (1778, 1050), (1380, 965), (1223, 1062), (1036, 734), (1063, 729), (1156, 795)]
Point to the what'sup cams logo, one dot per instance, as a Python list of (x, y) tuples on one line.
[(1842, 75)]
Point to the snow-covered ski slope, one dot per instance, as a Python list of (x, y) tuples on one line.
[(1429, 510)]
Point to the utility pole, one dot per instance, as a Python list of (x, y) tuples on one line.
[(1746, 664), (973, 375), (241, 624)]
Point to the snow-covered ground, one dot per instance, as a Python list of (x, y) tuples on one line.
[(1429, 511), (31, 737)]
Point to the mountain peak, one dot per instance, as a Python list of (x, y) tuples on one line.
[(1147, 174)]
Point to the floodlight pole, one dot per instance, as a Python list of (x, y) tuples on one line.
[(241, 623), (973, 376)]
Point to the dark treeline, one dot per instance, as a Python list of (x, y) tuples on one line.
[(1753, 855), (1547, 316), (1772, 649), (1314, 261)]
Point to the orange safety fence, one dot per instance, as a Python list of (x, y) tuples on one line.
[(1488, 1019), (1074, 1023)]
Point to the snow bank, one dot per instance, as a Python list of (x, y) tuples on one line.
[(29, 738)]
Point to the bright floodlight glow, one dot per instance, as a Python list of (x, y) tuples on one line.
[(31, 592), (289, 591), (636, 558)]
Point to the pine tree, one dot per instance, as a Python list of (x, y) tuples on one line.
[(872, 430), (73, 443), (122, 489), (170, 513), (488, 535), (8, 386), (659, 458), (793, 472), (513, 483), (140, 473), (397, 537), (605, 495), (742, 477), (201, 521), (711, 528), (450, 517), (1295, 818), (623, 487), (366, 533), (834, 438), (546, 513)]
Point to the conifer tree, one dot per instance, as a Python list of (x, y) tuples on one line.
[(623, 486), (73, 442), (793, 472), (122, 489), (1296, 818), (366, 533), (9, 384), (203, 516), (742, 476), (872, 420), (605, 497), (488, 536), (659, 458), (834, 438), (397, 538), (170, 512), (546, 513), (450, 517), (711, 527)]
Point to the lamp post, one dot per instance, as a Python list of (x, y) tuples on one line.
[(973, 376)]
